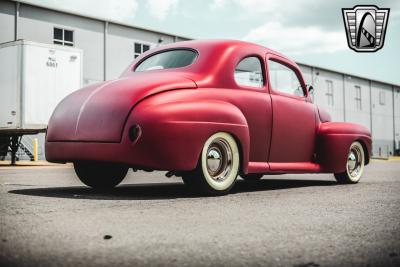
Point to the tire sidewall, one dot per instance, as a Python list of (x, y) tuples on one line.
[(229, 181), (358, 177)]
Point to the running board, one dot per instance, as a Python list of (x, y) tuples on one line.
[(283, 167)]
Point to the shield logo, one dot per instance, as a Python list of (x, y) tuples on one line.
[(365, 27)]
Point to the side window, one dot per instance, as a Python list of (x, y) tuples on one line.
[(284, 79), (249, 72)]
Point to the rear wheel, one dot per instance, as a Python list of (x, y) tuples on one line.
[(217, 168), (354, 166), (99, 175)]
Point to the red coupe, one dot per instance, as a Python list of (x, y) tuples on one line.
[(207, 111)]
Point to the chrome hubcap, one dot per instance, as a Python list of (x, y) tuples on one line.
[(214, 160), (219, 160), (354, 161)]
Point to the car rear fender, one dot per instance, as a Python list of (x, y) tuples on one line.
[(173, 133)]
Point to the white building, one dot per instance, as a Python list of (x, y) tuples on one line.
[(110, 46)]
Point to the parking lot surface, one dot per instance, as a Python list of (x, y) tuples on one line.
[(48, 218)]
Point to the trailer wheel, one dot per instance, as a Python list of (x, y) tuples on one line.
[(4, 144), (100, 176)]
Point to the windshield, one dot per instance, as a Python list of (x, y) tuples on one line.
[(169, 59)]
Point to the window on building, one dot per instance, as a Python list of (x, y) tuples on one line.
[(329, 92), (382, 97), (358, 97), (284, 79), (63, 37), (140, 48), (249, 72)]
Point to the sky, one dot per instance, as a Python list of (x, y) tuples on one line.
[(308, 31)]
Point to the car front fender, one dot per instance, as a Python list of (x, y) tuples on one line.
[(333, 143)]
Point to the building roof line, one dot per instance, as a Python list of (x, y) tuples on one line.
[(69, 12), (347, 74)]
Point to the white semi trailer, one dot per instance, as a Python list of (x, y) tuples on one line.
[(34, 78)]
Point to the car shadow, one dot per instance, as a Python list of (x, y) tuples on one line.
[(162, 190)]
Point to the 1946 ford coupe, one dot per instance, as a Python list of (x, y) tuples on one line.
[(207, 111)]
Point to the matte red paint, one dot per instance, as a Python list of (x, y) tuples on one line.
[(178, 109)]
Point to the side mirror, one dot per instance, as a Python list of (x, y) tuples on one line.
[(310, 89)]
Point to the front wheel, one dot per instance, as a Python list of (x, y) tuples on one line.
[(354, 165), (217, 168), (99, 175)]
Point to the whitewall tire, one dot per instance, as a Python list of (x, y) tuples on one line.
[(218, 166), (354, 165)]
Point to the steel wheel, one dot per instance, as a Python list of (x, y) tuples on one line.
[(219, 160), (355, 162), (354, 165)]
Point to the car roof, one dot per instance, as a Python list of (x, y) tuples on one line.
[(207, 71), (204, 43)]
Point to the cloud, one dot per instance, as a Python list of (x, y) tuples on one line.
[(121, 10), (160, 9), (218, 4), (265, 7), (298, 40), (395, 14), (124, 9)]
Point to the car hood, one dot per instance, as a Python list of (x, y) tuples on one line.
[(97, 113)]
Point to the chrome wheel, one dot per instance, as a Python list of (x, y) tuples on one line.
[(355, 161), (354, 165), (219, 160), (219, 163), (217, 168)]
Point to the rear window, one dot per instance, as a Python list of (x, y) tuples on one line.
[(167, 60)]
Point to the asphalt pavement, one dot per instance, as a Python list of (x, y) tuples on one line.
[(48, 218)]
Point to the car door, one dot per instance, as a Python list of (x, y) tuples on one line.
[(294, 121), (252, 99)]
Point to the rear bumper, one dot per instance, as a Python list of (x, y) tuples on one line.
[(62, 152), (127, 154), (159, 147), (155, 156)]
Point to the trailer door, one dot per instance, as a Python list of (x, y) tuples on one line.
[(9, 87)]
